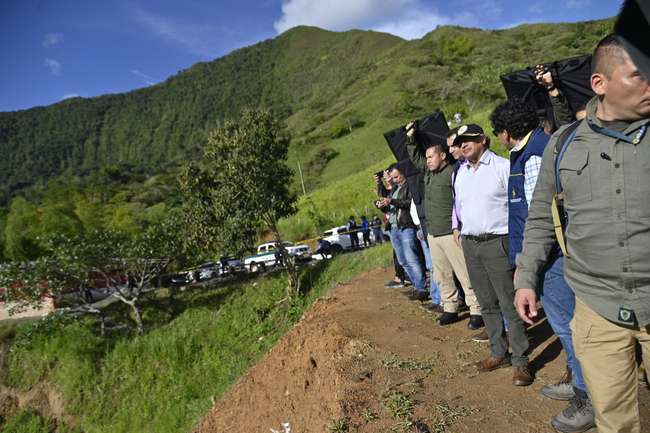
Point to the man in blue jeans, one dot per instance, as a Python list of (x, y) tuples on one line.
[(516, 125), (403, 231)]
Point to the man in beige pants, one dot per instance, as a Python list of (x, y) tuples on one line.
[(601, 171), (446, 255)]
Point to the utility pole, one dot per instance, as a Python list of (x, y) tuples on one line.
[(302, 181)]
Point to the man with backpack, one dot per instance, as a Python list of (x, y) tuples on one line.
[(596, 175)]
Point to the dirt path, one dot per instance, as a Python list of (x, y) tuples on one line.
[(367, 359)]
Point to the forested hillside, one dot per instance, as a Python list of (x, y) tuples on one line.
[(324, 83), (110, 162)]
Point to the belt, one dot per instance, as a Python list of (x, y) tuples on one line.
[(483, 237)]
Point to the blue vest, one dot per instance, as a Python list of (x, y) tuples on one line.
[(517, 204)]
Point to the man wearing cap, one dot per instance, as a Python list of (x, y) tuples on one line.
[(603, 176), (447, 257), (482, 192)]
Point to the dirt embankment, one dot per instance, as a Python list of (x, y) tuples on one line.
[(367, 359)]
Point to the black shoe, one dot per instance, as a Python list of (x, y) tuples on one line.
[(394, 285), (419, 296), (447, 318), (475, 322)]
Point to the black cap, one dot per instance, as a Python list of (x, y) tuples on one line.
[(467, 131), (633, 26)]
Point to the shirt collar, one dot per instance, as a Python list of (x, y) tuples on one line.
[(522, 143), (486, 158)]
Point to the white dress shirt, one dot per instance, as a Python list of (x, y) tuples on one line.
[(483, 194)]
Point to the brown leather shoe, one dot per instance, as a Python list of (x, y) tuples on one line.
[(491, 363), (521, 376)]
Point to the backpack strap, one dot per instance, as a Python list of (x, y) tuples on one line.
[(558, 213)]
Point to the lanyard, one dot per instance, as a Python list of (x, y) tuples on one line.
[(619, 135)]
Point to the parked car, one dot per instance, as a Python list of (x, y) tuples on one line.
[(340, 240), (266, 255)]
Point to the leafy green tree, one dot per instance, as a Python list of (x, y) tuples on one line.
[(127, 267), (241, 185)]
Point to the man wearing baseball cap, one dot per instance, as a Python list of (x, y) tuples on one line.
[(482, 192)]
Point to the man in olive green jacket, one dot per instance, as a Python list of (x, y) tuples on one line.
[(446, 256), (605, 177)]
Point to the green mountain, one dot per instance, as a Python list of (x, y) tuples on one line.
[(337, 91)]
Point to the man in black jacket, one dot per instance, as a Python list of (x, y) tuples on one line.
[(403, 231)]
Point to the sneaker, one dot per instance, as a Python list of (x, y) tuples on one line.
[(475, 322), (562, 390), (447, 318), (394, 285), (481, 337), (432, 308), (578, 417)]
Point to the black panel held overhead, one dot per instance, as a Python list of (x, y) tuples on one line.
[(571, 76), (633, 26), (431, 129)]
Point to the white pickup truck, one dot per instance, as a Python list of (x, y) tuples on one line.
[(340, 239), (265, 257)]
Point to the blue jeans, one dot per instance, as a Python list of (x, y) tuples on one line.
[(559, 303), (434, 290), (406, 250)]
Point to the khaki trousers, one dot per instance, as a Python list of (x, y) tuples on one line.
[(606, 352), (447, 258)]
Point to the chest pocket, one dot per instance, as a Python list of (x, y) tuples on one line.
[(576, 178)]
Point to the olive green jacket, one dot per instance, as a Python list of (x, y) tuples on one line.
[(438, 198), (606, 183)]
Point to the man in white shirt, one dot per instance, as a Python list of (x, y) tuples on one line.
[(482, 192)]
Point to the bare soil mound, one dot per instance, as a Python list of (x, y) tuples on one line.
[(367, 359)]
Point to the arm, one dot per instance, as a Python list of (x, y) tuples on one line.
[(416, 156), (561, 112)]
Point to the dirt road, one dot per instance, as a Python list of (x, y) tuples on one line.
[(367, 359)]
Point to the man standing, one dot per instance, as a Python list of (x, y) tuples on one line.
[(402, 232), (351, 227), (446, 256), (516, 125), (365, 231), (482, 191), (375, 225), (602, 175)]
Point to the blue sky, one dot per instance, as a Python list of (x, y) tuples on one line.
[(54, 49)]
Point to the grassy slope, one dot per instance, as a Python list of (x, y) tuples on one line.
[(198, 345)]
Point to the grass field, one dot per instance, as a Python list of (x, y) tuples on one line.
[(197, 343)]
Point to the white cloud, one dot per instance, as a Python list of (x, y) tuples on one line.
[(51, 39), (54, 65), (408, 19), (70, 95), (200, 40), (146, 78)]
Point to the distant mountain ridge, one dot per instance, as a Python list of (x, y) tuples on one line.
[(324, 84)]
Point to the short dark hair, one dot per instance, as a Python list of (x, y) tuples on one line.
[(392, 167), (608, 53), (514, 116), (440, 148)]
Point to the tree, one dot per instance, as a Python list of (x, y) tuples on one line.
[(126, 267), (241, 185)]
